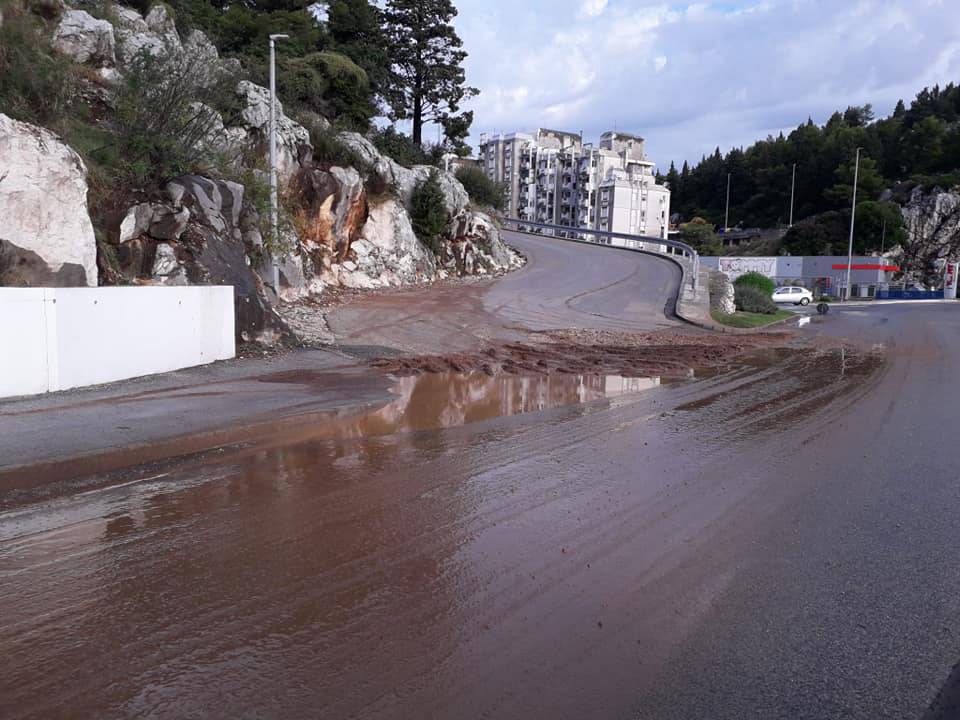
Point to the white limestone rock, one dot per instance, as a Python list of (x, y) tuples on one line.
[(293, 140), (43, 200), (167, 270), (932, 222), (85, 39), (388, 252), (722, 293), (134, 35), (403, 181), (157, 220)]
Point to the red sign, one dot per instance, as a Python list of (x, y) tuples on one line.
[(885, 268)]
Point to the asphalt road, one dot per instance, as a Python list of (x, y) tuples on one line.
[(563, 285), (776, 541)]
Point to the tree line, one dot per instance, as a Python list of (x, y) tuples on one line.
[(915, 145)]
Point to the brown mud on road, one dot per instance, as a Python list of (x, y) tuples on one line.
[(665, 354), (398, 563)]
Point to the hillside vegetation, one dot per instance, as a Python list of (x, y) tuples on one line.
[(919, 145)]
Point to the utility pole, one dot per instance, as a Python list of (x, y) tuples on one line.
[(793, 188), (853, 217), (883, 237), (274, 207), (726, 217)]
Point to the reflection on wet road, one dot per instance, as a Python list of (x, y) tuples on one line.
[(756, 543), (275, 578)]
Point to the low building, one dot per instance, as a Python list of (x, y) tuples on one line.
[(822, 274)]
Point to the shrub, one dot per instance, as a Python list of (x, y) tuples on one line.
[(403, 149), (751, 299), (330, 150), (756, 280), (482, 190), (329, 84), (428, 215), (165, 117)]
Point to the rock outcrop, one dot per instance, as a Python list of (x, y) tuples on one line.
[(195, 237), (387, 253), (155, 34), (86, 40), (403, 181), (329, 208), (293, 140), (932, 222), (46, 229), (339, 226), (722, 293)]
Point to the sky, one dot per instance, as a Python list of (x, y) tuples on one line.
[(690, 77)]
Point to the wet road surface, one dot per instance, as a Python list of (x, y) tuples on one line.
[(563, 285), (772, 541)]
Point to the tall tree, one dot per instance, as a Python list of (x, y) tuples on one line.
[(428, 60), (356, 28)]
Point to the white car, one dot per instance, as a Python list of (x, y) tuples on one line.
[(795, 295)]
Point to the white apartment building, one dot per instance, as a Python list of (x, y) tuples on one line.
[(553, 177)]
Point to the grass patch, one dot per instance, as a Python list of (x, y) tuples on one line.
[(749, 319)]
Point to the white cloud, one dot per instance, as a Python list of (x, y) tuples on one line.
[(737, 70), (592, 8)]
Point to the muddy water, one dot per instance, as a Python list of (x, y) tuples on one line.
[(438, 400), (446, 555), (329, 576)]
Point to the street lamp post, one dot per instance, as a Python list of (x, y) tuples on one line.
[(274, 207), (853, 217), (726, 217), (793, 188)]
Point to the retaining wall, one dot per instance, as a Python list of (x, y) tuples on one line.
[(62, 338)]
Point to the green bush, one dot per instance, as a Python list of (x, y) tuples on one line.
[(404, 150), (752, 299), (329, 150), (428, 215), (756, 280), (482, 190), (164, 117), (329, 84)]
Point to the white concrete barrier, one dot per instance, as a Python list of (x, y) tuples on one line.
[(61, 338)]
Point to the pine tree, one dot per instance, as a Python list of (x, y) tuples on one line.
[(356, 29), (428, 66)]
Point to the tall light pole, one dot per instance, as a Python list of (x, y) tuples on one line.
[(853, 217), (274, 207), (726, 217), (793, 188)]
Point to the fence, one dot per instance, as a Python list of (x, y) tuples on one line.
[(614, 239), (61, 338)]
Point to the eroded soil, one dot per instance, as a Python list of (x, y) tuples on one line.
[(602, 352)]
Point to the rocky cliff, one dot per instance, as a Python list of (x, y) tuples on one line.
[(207, 229), (932, 221)]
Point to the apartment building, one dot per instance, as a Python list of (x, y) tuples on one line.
[(554, 177)]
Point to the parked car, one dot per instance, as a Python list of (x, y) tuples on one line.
[(795, 295)]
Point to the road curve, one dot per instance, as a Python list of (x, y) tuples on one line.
[(568, 284), (564, 284)]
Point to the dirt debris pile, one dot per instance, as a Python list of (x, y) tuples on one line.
[(593, 352)]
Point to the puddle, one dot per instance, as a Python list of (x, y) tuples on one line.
[(439, 400)]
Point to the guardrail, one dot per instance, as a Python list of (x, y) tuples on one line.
[(631, 242)]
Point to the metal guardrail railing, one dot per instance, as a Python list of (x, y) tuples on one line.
[(630, 242)]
